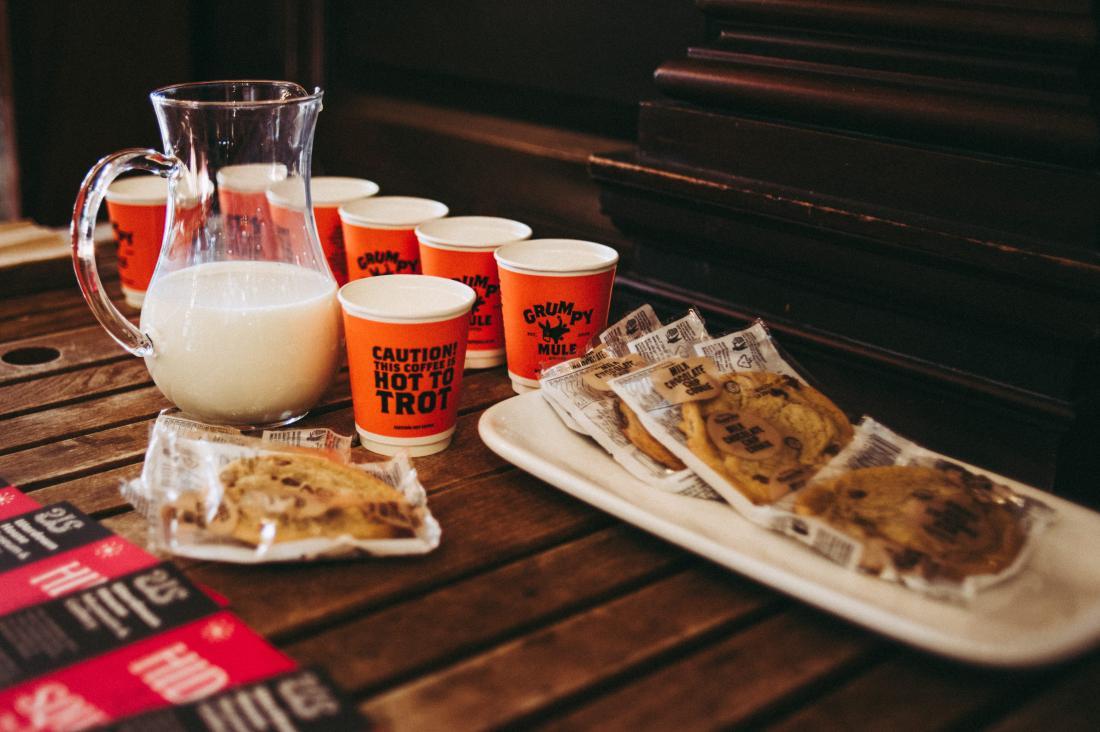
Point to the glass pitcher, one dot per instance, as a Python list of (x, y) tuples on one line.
[(240, 323)]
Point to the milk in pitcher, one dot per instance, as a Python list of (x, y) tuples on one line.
[(243, 342)]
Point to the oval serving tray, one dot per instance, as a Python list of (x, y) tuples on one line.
[(1048, 612)]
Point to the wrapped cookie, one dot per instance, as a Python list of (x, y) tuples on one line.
[(580, 387), (216, 494), (891, 508), (612, 342), (752, 428), (638, 322)]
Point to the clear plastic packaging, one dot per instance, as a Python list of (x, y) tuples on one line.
[(747, 423), (891, 508), (213, 493), (580, 389)]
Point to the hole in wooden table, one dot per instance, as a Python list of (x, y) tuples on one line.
[(31, 356)]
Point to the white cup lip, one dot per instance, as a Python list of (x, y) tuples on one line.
[(529, 257), (325, 190), (472, 233), (392, 298), (392, 212), (250, 177), (139, 190)]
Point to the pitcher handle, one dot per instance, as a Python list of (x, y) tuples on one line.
[(88, 201)]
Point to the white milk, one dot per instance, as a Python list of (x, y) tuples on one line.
[(242, 342)]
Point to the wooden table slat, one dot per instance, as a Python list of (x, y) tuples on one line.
[(528, 674), (1071, 704), (79, 347), (39, 428), (49, 392), (732, 680), (909, 692), (461, 617)]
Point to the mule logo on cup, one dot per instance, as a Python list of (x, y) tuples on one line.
[(414, 380), (553, 333), (483, 291), (556, 319)]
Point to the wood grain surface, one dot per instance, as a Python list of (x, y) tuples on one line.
[(535, 611)]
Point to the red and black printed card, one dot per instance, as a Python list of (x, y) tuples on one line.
[(94, 629), (50, 551), (298, 701)]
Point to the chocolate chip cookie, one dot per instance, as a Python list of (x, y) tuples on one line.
[(765, 433), (936, 522), (276, 498)]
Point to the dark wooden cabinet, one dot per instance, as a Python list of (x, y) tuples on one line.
[(906, 190)]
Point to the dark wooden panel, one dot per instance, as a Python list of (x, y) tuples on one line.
[(1063, 132), (971, 199), (578, 65), (1034, 26)]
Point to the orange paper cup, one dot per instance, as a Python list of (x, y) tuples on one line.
[(461, 249), (555, 293), (242, 196), (137, 208), (287, 201), (379, 234), (406, 340)]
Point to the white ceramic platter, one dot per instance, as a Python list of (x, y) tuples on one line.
[(1048, 612)]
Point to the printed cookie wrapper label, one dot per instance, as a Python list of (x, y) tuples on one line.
[(179, 665), (685, 380), (551, 319), (636, 323), (320, 438), (678, 338), (477, 270), (405, 379), (63, 552), (57, 633), (299, 701), (751, 349), (373, 252), (597, 378), (875, 446)]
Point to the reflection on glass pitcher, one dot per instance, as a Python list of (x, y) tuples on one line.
[(240, 325)]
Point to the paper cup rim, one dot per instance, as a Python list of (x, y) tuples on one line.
[(515, 257), (366, 189), (447, 232), (387, 290), (371, 213), (144, 190), (258, 184)]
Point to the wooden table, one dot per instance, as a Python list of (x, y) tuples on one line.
[(536, 610)]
